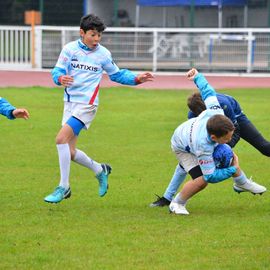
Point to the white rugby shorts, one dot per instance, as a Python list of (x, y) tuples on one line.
[(187, 160), (84, 112)]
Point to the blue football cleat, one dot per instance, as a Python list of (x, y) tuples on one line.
[(58, 195), (103, 179)]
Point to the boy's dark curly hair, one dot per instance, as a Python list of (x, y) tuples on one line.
[(92, 22)]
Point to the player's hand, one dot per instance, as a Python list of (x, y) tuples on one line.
[(235, 163), (192, 73), (21, 113), (66, 80), (144, 77)]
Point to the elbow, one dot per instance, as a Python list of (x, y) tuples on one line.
[(209, 178), (113, 77)]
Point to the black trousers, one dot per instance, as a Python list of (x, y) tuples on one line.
[(249, 133)]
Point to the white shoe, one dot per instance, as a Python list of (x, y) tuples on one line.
[(178, 209), (249, 186)]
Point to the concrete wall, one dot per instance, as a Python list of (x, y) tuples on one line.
[(103, 9)]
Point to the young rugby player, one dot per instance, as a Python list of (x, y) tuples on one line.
[(193, 143), (79, 69)]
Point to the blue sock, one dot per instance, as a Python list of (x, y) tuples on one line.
[(177, 179)]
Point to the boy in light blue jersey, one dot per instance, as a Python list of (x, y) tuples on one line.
[(79, 69), (193, 143), (12, 112), (244, 129)]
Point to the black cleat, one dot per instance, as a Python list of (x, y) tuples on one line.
[(160, 202)]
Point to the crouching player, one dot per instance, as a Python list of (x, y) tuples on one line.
[(244, 129), (193, 143)]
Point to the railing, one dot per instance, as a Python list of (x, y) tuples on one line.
[(15, 46), (156, 49)]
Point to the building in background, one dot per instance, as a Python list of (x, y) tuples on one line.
[(60, 12), (143, 13), (182, 13)]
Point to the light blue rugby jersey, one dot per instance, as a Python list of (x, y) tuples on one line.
[(86, 67), (192, 135)]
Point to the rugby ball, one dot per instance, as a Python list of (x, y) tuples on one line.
[(223, 156)]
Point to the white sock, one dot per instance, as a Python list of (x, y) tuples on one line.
[(178, 199), (64, 163), (240, 180), (82, 159)]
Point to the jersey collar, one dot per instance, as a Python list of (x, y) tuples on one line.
[(84, 47)]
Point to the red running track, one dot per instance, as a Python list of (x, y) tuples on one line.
[(177, 81)]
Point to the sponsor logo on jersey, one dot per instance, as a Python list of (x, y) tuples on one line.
[(84, 67), (215, 107), (205, 162)]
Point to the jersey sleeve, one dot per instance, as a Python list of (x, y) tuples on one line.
[(109, 65), (61, 66), (6, 108), (124, 76), (64, 58), (211, 174), (208, 94), (56, 73)]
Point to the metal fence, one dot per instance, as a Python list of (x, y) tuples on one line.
[(15, 46), (164, 49)]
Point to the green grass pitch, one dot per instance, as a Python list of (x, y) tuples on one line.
[(132, 132)]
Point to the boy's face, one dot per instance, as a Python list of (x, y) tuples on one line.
[(223, 139), (91, 38)]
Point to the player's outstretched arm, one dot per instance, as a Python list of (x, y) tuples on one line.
[(21, 113), (208, 93)]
